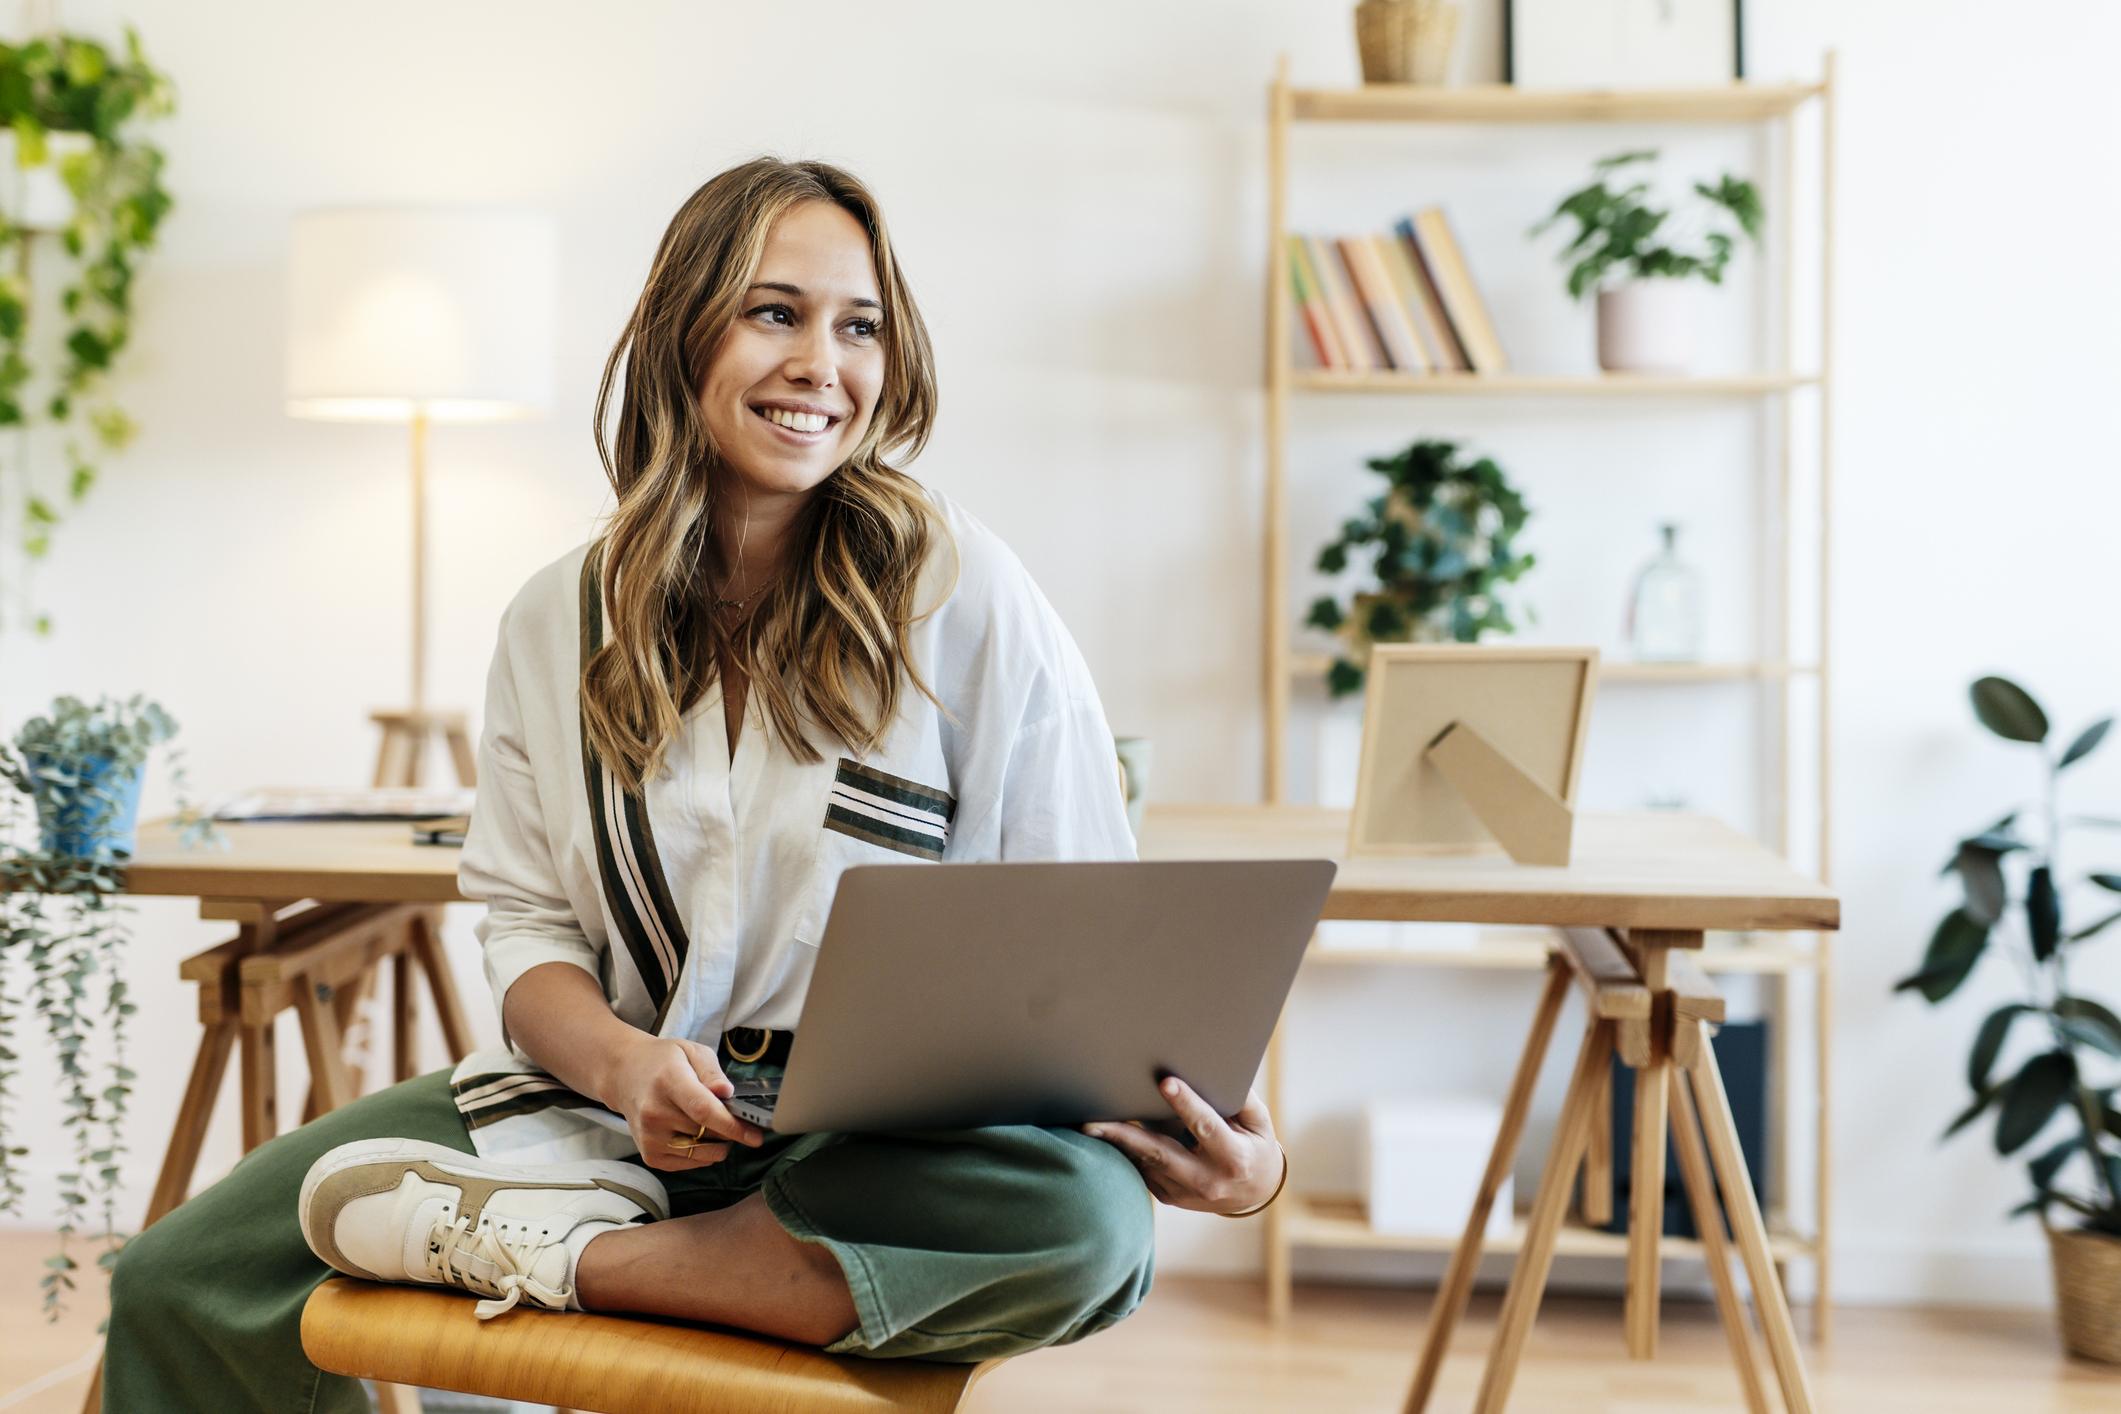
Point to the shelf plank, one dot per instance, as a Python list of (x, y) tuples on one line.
[(1507, 103), (1336, 1220), (1617, 670), (1572, 385), (1515, 950)]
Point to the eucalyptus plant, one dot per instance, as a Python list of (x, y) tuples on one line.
[(2015, 899), (1619, 231), (61, 921), (66, 83), (1442, 542)]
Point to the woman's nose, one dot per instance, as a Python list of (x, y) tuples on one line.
[(811, 360)]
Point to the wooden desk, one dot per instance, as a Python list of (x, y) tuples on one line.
[(1639, 895), (1648, 870)]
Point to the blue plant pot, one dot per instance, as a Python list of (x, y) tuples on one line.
[(67, 830)]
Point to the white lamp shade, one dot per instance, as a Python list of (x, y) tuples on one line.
[(443, 310)]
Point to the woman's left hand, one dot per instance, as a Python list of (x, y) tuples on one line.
[(1234, 1164)]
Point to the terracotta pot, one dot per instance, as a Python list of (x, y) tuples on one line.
[(2088, 1291)]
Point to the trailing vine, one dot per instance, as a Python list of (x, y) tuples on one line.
[(62, 914), (68, 84)]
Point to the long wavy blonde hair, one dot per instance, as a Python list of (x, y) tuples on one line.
[(830, 638)]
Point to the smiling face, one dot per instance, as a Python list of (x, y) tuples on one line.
[(791, 387)]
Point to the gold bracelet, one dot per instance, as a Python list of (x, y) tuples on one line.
[(1277, 1188)]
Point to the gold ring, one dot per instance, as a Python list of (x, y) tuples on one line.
[(736, 1055)]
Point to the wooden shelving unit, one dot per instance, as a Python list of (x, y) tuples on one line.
[(1570, 385), (1783, 961), (1338, 1220)]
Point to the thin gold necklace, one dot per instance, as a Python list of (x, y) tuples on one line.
[(721, 603)]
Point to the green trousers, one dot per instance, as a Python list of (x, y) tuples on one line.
[(958, 1245)]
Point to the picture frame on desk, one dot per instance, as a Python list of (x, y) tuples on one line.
[(1623, 44), (1529, 709)]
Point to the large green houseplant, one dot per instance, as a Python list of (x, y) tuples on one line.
[(72, 85), (2043, 1064), (70, 785), (1441, 541)]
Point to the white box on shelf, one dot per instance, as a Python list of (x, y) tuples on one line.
[(1422, 1158)]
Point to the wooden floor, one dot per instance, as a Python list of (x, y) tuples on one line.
[(1201, 1344)]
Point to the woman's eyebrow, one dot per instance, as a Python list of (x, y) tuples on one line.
[(788, 289)]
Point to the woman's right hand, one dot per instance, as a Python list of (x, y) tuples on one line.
[(667, 1088)]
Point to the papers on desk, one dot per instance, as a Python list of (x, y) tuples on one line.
[(371, 803)]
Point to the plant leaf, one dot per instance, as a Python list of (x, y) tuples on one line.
[(1981, 872), (2094, 1013), (2087, 741), (2032, 1097), (1988, 1041), (2108, 881), (1954, 949), (2044, 1168), (2043, 913), (1971, 1113), (2093, 1035), (2093, 928), (2008, 710), (1996, 837)]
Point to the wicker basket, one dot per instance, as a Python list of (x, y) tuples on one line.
[(2088, 1292), (1405, 41)]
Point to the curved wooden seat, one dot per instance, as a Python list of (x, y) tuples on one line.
[(586, 1360)]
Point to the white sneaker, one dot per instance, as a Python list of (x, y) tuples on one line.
[(411, 1211)]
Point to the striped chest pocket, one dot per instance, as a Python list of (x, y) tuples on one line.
[(889, 810)]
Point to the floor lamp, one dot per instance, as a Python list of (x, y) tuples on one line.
[(420, 315)]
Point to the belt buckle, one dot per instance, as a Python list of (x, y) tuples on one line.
[(765, 1043)]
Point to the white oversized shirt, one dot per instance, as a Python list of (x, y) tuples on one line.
[(725, 886)]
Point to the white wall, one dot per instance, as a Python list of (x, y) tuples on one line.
[(1079, 197)]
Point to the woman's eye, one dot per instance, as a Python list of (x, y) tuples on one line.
[(865, 327), (772, 309)]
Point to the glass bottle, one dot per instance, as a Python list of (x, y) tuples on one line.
[(1664, 612)]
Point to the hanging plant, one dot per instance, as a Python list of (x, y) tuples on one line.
[(1442, 538), (67, 84), (62, 932)]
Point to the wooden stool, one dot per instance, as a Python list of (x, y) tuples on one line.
[(320, 961), (1653, 1006), (410, 1335)]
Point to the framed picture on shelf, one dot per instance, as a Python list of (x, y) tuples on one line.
[(1622, 44)]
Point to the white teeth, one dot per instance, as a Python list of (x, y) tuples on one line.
[(796, 421)]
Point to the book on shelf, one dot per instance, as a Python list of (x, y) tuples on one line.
[(1461, 298), (1381, 301), (1451, 352), (1402, 300), (1356, 336), (1406, 283), (1311, 308)]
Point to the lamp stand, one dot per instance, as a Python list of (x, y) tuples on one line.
[(407, 732)]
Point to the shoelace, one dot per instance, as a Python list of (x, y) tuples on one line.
[(447, 1251)]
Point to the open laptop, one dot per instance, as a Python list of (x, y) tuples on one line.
[(948, 996)]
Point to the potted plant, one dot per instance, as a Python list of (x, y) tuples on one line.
[(2016, 899), (1638, 267), (1442, 540), (80, 768), (71, 108)]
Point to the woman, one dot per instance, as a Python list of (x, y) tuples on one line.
[(781, 657)]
